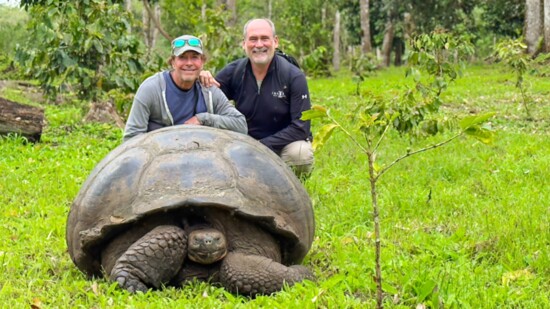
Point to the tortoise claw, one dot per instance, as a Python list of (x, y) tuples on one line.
[(129, 282)]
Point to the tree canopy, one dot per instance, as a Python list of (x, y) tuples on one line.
[(100, 45)]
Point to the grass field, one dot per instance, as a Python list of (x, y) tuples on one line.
[(463, 226)]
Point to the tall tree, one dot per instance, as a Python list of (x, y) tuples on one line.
[(150, 19), (155, 18), (336, 42), (387, 44), (365, 26), (546, 30), (231, 6), (533, 24)]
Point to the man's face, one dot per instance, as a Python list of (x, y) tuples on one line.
[(259, 43), (187, 68)]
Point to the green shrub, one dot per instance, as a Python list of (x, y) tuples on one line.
[(12, 28)]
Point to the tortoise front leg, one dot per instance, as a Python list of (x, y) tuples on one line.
[(152, 260), (253, 274)]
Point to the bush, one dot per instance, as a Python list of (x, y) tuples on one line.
[(12, 28), (315, 64)]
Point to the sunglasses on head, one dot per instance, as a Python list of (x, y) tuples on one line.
[(192, 42)]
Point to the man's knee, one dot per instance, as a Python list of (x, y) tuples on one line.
[(299, 156)]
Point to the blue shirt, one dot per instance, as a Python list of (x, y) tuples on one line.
[(183, 104)]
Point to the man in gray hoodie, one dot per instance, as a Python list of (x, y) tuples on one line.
[(175, 97)]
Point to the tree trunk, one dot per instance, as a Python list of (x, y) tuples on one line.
[(387, 43), (323, 17), (408, 26), (366, 46), (399, 47), (128, 6), (154, 30), (336, 42), (232, 7), (156, 20), (21, 119), (546, 30), (147, 26), (533, 24)]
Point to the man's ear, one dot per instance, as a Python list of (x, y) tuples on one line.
[(276, 40)]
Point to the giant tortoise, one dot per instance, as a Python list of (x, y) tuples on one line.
[(192, 202)]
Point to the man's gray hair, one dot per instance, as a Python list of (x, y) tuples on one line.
[(271, 24)]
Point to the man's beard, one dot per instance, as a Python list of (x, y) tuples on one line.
[(260, 55)]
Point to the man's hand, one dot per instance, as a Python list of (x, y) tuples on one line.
[(207, 80), (193, 120)]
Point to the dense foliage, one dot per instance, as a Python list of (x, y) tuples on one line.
[(96, 50), (85, 47)]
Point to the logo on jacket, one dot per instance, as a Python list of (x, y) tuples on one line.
[(278, 94)]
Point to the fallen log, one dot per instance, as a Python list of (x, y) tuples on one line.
[(21, 119)]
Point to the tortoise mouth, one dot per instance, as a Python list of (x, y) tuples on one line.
[(207, 257)]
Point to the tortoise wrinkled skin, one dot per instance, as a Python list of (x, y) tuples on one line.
[(142, 201)]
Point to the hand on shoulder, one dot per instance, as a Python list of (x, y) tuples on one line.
[(207, 80)]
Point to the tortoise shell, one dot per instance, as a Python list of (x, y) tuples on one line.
[(184, 167)]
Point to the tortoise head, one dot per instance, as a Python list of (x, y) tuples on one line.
[(206, 246)]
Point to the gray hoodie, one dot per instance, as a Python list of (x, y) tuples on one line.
[(150, 106)]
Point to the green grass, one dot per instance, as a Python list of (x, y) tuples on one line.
[(463, 226)]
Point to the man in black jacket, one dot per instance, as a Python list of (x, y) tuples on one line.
[(271, 93)]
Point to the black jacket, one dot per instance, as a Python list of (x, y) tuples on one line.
[(272, 112)]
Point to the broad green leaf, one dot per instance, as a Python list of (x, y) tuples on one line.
[(323, 135), (316, 111), (483, 135), (475, 120)]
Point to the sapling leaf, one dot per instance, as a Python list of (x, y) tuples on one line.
[(316, 111), (367, 120), (323, 135), (475, 120), (483, 135)]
